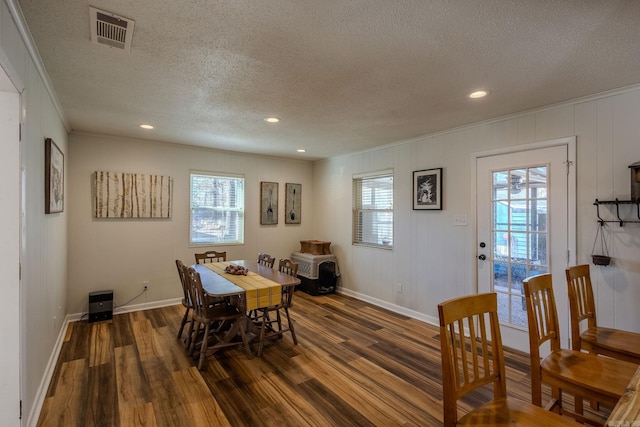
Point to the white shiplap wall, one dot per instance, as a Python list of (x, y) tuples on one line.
[(434, 260)]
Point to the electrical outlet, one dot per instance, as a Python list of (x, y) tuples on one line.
[(145, 285), (399, 288)]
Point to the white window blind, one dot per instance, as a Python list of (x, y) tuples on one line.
[(217, 209), (373, 209)]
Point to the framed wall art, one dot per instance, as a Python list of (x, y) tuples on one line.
[(53, 177), (293, 203), (268, 203), (427, 189)]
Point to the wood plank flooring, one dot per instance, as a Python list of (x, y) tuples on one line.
[(355, 365)]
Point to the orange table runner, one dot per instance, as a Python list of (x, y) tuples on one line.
[(260, 291)]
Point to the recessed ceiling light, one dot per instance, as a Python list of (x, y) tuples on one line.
[(146, 126), (478, 94), (271, 119), (301, 150)]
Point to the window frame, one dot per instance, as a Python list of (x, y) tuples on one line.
[(241, 209), (357, 233)]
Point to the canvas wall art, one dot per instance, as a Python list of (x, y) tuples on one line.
[(132, 195), (268, 203), (293, 203)]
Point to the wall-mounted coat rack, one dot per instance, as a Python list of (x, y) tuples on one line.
[(617, 204)]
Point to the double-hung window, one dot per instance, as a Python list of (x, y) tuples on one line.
[(373, 209), (217, 209)]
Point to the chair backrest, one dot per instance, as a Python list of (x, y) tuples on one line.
[(542, 317), (581, 302), (211, 256), (196, 291), (291, 268), (266, 260), (183, 281), (288, 267), (473, 360)]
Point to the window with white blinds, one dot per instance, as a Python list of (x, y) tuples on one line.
[(217, 209), (373, 209)]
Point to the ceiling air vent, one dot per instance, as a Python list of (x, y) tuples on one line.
[(110, 29)]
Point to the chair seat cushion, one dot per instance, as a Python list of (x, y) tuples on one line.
[(513, 412), (613, 340), (587, 373)]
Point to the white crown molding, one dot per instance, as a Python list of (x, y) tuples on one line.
[(23, 29)]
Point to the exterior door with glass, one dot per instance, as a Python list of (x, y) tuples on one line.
[(522, 213)]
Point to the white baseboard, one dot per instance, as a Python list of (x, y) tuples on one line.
[(130, 308), (41, 394), (391, 307)]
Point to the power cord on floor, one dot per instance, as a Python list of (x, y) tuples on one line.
[(131, 300)]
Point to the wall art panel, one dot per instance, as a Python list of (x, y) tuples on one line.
[(132, 195)]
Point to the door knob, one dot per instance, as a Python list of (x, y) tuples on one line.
[(482, 257)]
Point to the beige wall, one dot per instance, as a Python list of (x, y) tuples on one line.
[(435, 260), (121, 254)]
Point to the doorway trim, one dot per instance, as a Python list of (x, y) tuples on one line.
[(12, 391)]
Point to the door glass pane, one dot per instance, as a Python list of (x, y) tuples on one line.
[(519, 226), (518, 181), (538, 183)]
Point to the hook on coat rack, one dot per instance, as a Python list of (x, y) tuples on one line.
[(618, 212), (600, 220)]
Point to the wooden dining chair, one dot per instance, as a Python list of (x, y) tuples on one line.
[(475, 359), (616, 343), (599, 379), (271, 328), (266, 260), (186, 303), (222, 322), (210, 256)]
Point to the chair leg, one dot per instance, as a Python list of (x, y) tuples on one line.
[(556, 394), (203, 349), (293, 332), (184, 322), (194, 338), (189, 338), (245, 340), (578, 405), (263, 328)]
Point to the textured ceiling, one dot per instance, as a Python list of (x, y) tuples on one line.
[(343, 75)]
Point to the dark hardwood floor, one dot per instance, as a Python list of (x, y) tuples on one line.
[(355, 365)]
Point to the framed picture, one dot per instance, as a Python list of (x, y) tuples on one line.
[(53, 177), (292, 203), (427, 189), (268, 203)]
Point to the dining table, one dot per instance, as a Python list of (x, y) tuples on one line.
[(626, 413), (260, 287)]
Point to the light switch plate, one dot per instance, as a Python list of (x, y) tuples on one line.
[(460, 220)]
